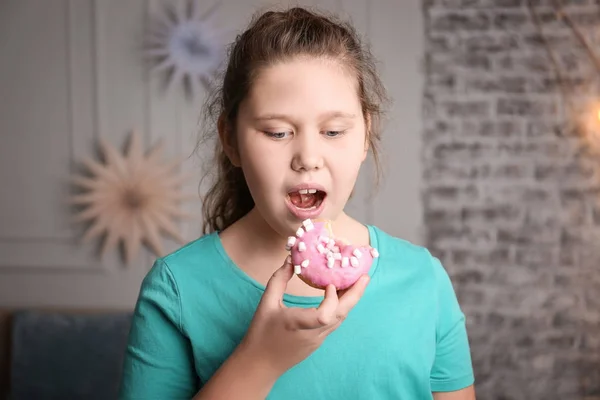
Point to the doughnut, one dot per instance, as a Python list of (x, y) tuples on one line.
[(320, 259)]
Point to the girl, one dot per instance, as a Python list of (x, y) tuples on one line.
[(219, 319)]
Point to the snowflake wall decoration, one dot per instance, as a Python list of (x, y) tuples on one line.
[(131, 199), (184, 42)]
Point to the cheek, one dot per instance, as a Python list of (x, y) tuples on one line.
[(346, 165), (260, 165)]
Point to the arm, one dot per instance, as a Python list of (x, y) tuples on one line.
[(241, 376), (158, 360), (452, 375), (467, 393)]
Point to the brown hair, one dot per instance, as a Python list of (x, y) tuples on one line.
[(273, 37)]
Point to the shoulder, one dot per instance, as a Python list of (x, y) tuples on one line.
[(193, 255), (400, 256), (414, 263), (193, 251), (403, 252), (185, 265)]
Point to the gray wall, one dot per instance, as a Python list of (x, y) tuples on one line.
[(72, 72), (511, 200)]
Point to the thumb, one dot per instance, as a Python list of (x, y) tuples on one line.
[(278, 283)]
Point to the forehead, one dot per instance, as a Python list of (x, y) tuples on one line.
[(304, 86)]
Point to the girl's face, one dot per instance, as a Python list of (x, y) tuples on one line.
[(301, 139)]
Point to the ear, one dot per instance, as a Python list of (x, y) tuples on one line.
[(367, 134), (227, 138)]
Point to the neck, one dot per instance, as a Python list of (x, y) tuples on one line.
[(260, 236)]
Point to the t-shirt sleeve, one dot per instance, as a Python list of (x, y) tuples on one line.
[(158, 360), (452, 368)]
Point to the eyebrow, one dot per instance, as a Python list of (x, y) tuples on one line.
[(326, 116)]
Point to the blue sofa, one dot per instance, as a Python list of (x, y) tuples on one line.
[(62, 354)]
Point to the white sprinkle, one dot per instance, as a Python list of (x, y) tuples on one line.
[(336, 249), (331, 244), (374, 253), (354, 261), (321, 248), (297, 269), (308, 225), (337, 256), (305, 263), (357, 253), (300, 232), (290, 243), (301, 246), (344, 262), (330, 262)]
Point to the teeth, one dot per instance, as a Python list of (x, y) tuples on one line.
[(307, 191)]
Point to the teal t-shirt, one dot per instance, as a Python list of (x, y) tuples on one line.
[(404, 339)]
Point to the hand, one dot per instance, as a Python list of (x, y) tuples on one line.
[(280, 337)]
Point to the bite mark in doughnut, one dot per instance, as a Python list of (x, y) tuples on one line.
[(320, 259)]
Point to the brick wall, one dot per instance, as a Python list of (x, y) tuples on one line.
[(512, 195)]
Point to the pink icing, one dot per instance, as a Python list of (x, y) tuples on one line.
[(317, 272)]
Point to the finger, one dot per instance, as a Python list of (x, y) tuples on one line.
[(341, 312), (352, 296), (340, 293), (314, 318), (326, 313), (326, 330), (303, 318), (277, 284)]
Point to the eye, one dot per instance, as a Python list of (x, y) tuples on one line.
[(277, 135), (334, 133)]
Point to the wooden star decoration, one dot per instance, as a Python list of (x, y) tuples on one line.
[(131, 199)]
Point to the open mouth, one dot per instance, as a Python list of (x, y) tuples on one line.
[(307, 199)]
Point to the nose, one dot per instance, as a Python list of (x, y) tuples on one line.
[(307, 152)]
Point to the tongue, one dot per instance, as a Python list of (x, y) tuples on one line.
[(303, 200)]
